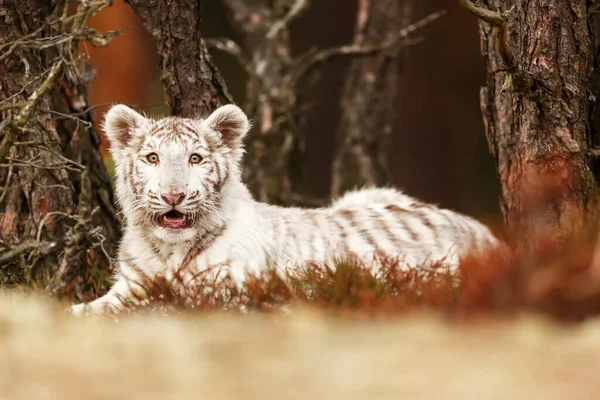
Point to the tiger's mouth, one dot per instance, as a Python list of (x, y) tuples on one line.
[(175, 220)]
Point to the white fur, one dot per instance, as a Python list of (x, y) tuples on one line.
[(252, 235)]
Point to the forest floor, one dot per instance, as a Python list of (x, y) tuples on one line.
[(506, 332), (304, 354)]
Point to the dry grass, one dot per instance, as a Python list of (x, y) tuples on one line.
[(47, 354), (499, 334)]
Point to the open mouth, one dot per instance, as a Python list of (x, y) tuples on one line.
[(175, 220)]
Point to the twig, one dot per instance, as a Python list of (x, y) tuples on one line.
[(491, 17), (91, 7), (36, 143), (362, 18), (499, 20), (10, 106), (7, 184), (135, 106), (306, 63), (517, 80), (104, 252), (40, 166), (73, 247), (97, 39), (32, 80), (28, 246), (295, 11), (42, 223), (232, 48), (26, 112), (86, 124), (63, 161)]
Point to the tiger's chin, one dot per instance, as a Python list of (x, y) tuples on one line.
[(174, 236)]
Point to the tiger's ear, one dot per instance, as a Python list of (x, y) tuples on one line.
[(231, 122), (122, 124)]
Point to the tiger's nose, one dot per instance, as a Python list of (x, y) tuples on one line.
[(173, 198)]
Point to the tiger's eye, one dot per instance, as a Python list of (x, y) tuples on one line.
[(152, 158), (195, 159)]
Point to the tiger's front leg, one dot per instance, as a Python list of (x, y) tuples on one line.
[(122, 291)]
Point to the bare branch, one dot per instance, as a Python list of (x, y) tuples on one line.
[(491, 17), (10, 106), (7, 183), (232, 48), (309, 62), (86, 124), (499, 20), (51, 214), (295, 11), (134, 106), (32, 80), (28, 246), (97, 39), (63, 21), (362, 18)]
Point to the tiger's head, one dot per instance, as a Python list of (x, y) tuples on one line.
[(172, 173)]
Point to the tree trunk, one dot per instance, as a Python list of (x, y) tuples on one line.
[(192, 83), (537, 115), (57, 216), (274, 166), (368, 114)]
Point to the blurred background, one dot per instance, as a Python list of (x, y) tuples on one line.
[(440, 153)]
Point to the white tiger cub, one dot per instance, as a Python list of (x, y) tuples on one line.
[(179, 184)]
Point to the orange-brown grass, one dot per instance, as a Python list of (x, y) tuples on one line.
[(561, 284), (350, 288), (564, 283)]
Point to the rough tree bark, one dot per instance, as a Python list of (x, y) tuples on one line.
[(536, 109), (192, 83), (367, 120), (56, 200)]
